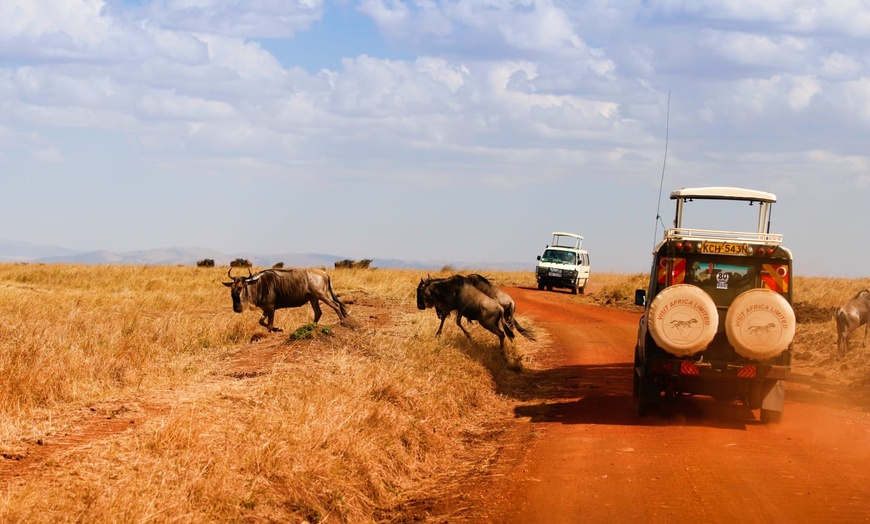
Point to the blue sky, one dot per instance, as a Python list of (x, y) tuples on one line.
[(430, 130)]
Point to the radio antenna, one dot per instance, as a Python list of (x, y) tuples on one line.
[(664, 163)]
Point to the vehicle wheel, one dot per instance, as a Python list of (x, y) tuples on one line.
[(549, 288), (540, 286), (647, 395), (760, 324), (635, 389), (768, 416), (575, 289), (753, 397), (683, 319)]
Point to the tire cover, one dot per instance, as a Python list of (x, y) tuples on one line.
[(683, 319), (760, 324)]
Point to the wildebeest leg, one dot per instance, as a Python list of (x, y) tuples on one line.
[(317, 312), (268, 320), (842, 334), (507, 330), (335, 307), (334, 303), (493, 328), (866, 327), (441, 326), (459, 323)]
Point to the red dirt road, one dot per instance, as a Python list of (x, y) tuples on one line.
[(593, 459)]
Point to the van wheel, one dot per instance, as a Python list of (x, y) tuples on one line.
[(575, 289), (540, 286), (549, 288)]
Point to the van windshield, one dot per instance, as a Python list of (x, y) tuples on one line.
[(559, 257)]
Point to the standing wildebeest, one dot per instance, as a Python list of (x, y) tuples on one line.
[(850, 317), (505, 301), (281, 288), (457, 294)]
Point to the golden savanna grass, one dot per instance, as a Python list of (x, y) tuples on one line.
[(363, 422), (348, 426)]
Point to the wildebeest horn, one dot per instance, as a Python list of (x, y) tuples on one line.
[(230, 272)]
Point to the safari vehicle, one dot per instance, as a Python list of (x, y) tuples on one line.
[(563, 264), (718, 318)]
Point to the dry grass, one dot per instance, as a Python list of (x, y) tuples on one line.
[(816, 301), (355, 424), (348, 426)]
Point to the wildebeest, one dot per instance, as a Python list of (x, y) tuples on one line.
[(282, 288), (854, 314), (458, 294), (505, 301)]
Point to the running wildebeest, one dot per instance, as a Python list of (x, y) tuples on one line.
[(457, 294), (854, 314), (283, 288), (505, 301)]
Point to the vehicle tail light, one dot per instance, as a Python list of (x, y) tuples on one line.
[(687, 246), (689, 368), (771, 251), (679, 245), (760, 250)]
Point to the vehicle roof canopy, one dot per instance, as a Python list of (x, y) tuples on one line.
[(723, 193), (566, 240)]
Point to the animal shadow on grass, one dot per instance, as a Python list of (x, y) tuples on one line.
[(486, 351)]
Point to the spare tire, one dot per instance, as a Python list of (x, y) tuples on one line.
[(683, 320), (760, 324)]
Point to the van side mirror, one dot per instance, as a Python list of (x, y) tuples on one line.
[(539, 257), (640, 297)]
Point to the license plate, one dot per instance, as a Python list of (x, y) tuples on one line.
[(725, 248), (555, 273)]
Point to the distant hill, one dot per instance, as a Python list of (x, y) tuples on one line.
[(12, 251)]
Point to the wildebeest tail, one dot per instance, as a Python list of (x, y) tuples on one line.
[(332, 293), (528, 333)]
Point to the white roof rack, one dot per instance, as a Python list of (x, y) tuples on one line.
[(723, 193), (714, 235), (560, 238)]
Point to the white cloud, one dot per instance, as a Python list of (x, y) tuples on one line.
[(857, 98), (849, 16), (48, 155), (755, 49), (236, 18), (839, 65), (70, 24), (479, 93), (802, 91)]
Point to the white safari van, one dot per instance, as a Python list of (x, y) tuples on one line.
[(563, 264)]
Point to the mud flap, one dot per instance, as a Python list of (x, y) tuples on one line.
[(774, 399)]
